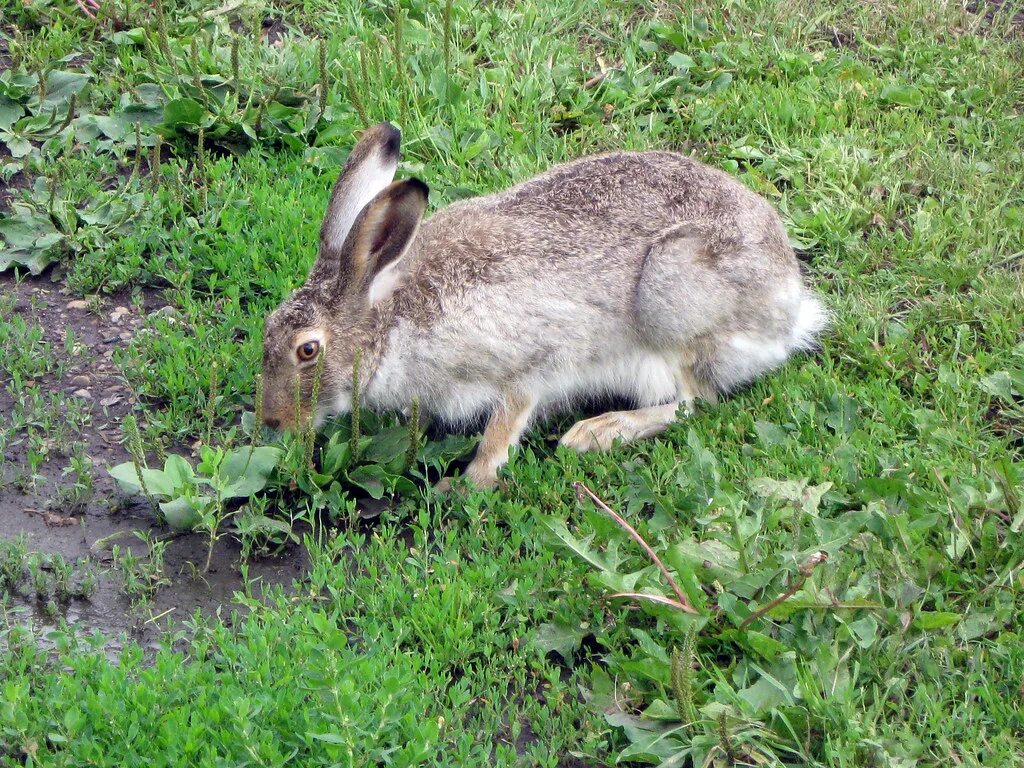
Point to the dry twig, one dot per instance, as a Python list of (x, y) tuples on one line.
[(682, 602)]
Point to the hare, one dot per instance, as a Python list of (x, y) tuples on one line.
[(646, 276)]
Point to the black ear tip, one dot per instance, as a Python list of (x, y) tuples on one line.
[(391, 139), (418, 186)]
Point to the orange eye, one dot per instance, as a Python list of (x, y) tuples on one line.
[(308, 351)]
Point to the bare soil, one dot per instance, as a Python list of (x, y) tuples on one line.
[(93, 380)]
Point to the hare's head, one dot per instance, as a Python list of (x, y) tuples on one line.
[(370, 225)]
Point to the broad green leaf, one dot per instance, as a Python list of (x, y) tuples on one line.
[(711, 556), (681, 61), (439, 454), (371, 478), (183, 112), (649, 645), (998, 384), (34, 261), (60, 86), (687, 580), (10, 112), (268, 524), (580, 546), (560, 637), (702, 470), (157, 482), (770, 434), (720, 83), (766, 693), (134, 36), (120, 126), (24, 227), (902, 95), (842, 414), (660, 709), (650, 741), (246, 470), (179, 471), (18, 147), (977, 625), (785, 490), (337, 456), (388, 445), (865, 631), (927, 620), (182, 513), (767, 647)]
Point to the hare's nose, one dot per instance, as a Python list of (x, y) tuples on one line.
[(272, 423)]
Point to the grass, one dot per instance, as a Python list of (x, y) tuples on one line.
[(483, 630)]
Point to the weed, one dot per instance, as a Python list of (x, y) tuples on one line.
[(13, 561), (73, 498), (355, 430), (142, 576)]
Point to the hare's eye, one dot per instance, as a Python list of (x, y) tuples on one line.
[(308, 350)]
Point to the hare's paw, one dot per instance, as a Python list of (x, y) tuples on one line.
[(479, 476), (596, 434), (483, 473), (601, 432)]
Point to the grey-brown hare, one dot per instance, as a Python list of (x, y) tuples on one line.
[(646, 276)]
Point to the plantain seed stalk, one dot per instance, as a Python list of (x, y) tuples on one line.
[(414, 435), (447, 31), (309, 438), (201, 169), (211, 402), (322, 63), (133, 442), (137, 165), (234, 59), (356, 406), (154, 162), (257, 427), (682, 677)]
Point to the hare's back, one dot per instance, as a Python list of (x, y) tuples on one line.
[(636, 191)]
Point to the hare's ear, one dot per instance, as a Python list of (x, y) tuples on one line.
[(381, 235), (370, 168)]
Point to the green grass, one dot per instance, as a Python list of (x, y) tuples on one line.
[(427, 637)]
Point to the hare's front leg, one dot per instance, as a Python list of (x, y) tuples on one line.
[(504, 429), (600, 432)]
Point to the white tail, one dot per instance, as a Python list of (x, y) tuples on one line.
[(811, 319)]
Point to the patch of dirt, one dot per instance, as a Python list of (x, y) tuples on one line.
[(839, 38), (92, 384), (10, 188), (5, 53), (1005, 423), (272, 29), (991, 9)]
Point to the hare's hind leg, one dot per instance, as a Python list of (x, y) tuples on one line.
[(504, 428), (601, 432)]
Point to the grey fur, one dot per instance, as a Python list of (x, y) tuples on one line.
[(626, 274)]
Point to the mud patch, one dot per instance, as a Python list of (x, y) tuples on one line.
[(839, 38), (272, 30), (84, 397), (5, 53), (109, 609), (11, 187), (999, 12)]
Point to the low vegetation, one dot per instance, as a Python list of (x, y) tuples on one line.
[(822, 570)]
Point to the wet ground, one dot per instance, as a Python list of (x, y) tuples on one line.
[(87, 399)]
